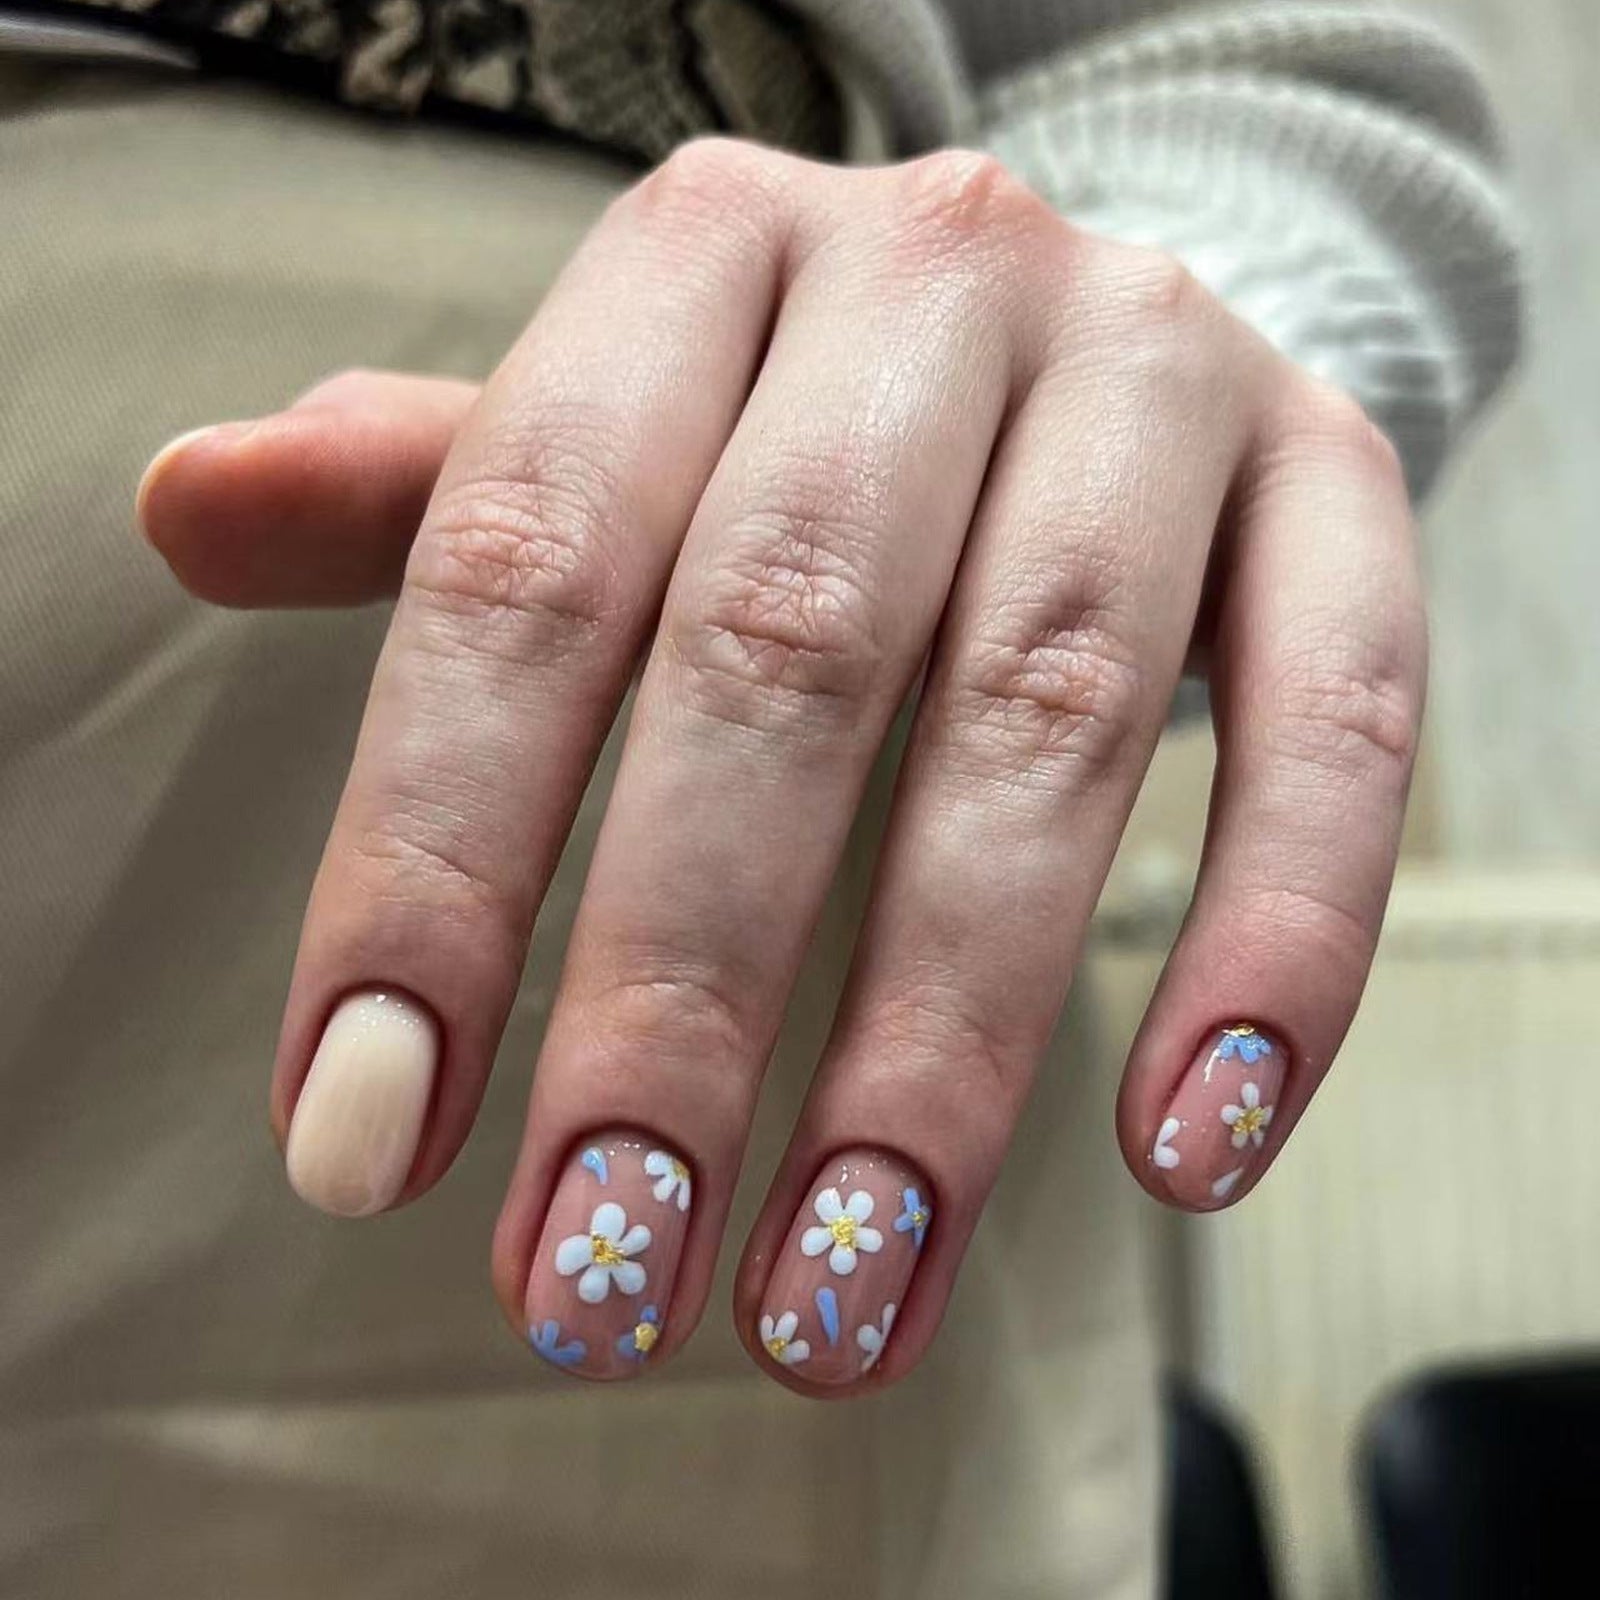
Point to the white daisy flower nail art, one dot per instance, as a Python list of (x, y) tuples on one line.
[(602, 1253), (1162, 1153), (1249, 1121), (1224, 1185), (779, 1338), (843, 1231), (872, 1339), (671, 1175)]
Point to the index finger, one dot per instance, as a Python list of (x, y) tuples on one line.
[(529, 590)]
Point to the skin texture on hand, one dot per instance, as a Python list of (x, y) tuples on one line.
[(803, 439)]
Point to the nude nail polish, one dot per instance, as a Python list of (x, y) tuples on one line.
[(1218, 1127), (841, 1275), (360, 1115), (600, 1284)]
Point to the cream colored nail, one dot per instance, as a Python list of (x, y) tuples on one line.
[(359, 1118)]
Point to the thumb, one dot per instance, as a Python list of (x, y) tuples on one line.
[(313, 506)]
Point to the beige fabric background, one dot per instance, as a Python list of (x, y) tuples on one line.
[(205, 1390)]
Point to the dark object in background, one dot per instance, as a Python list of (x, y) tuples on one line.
[(1215, 1549), (1485, 1485)]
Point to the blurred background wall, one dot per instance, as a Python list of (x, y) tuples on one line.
[(1443, 1198), (1514, 535)]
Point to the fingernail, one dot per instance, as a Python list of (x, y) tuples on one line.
[(1219, 1124), (171, 450), (600, 1287), (842, 1274), (359, 1117)]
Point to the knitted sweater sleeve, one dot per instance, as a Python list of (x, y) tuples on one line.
[(1329, 169)]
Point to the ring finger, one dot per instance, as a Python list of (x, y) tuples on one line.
[(1060, 651)]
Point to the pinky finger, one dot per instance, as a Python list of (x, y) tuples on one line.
[(1318, 674)]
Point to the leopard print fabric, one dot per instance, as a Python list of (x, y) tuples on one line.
[(639, 76)]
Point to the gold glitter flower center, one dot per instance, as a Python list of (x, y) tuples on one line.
[(843, 1230), (1251, 1120), (679, 1171), (645, 1336), (605, 1253), (776, 1347)]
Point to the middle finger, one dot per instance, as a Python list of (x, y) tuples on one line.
[(808, 587)]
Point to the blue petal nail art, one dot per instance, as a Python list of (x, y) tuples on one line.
[(545, 1337), (914, 1216), (595, 1160), (828, 1310), (1243, 1042), (640, 1340)]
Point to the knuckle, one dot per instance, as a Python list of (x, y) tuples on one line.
[(1049, 692), (701, 167), (412, 858), (715, 204), (1354, 713), (652, 1007), (930, 1024), (1334, 925), (1151, 289), (968, 196), (786, 627), (1327, 420), (525, 545), (706, 181), (1167, 335)]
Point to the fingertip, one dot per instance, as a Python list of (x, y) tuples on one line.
[(359, 1117), (313, 506), (600, 1296), (822, 1320), (160, 488), (1208, 1141), (191, 489)]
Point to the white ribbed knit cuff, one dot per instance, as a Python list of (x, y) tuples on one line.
[(1325, 166), (1373, 252)]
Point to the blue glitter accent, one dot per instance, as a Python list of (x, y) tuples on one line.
[(595, 1160), (828, 1310), (1247, 1046), (545, 1337), (909, 1221)]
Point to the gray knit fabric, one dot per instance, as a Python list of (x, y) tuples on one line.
[(907, 58), (637, 76), (1328, 169)]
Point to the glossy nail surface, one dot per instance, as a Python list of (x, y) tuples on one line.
[(842, 1273), (600, 1286), (361, 1110), (1219, 1123)]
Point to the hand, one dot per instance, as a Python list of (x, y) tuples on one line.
[(797, 432)]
